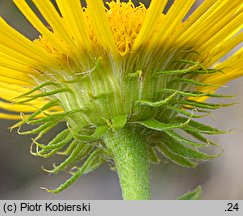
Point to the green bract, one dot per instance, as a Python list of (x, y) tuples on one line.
[(161, 107)]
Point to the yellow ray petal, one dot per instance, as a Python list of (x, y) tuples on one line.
[(237, 30), (25, 108), (11, 55), (154, 12), (10, 80), (9, 116), (225, 27), (217, 16), (101, 26), (21, 116), (73, 15), (172, 19), (8, 93), (231, 68), (17, 107), (32, 105), (200, 16), (39, 26), (51, 15), (12, 39), (12, 73), (14, 76), (13, 65), (224, 47), (204, 8)]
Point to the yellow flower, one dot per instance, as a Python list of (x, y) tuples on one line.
[(74, 41), (104, 68), (129, 38)]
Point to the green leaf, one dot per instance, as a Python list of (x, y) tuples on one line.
[(33, 115), (184, 112), (119, 122), (152, 154), (195, 68), (52, 117), (43, 152), (94, 161), (59, 144), (181, 139), (98, 133), (63, 165), (54, 145), (39, 129), (178, 159), (102, 96), (156, 103), (192, 195), (203, 105), (184, 71), (49, 83), (59, 138), (56, 117), (200, 137), (199, 127), (136, 74), (171, 72), (50, 93), (160, 126), (86, 150), (184, 151), (196, 65), (45, 130), (78, 153), (190, 81), (70, 148), (195, 94)]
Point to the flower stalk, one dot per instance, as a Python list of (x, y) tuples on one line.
[(129, 151)]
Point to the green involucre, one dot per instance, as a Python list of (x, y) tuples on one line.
[(109, 99)]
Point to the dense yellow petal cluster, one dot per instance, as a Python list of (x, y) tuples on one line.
[(76, 37), (125, 22)]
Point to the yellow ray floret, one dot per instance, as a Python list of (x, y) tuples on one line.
[(73, 16), (12, 39), (101, 25), (230, 69), (40, 27), (170, 22), (149, 25)]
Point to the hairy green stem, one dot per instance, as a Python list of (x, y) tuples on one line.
[(129, 152)]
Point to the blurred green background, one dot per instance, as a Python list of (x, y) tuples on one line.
[(21, 175)]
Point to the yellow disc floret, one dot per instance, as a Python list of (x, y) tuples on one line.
[(125, 22)]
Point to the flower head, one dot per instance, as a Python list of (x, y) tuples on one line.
[(107, 67)]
